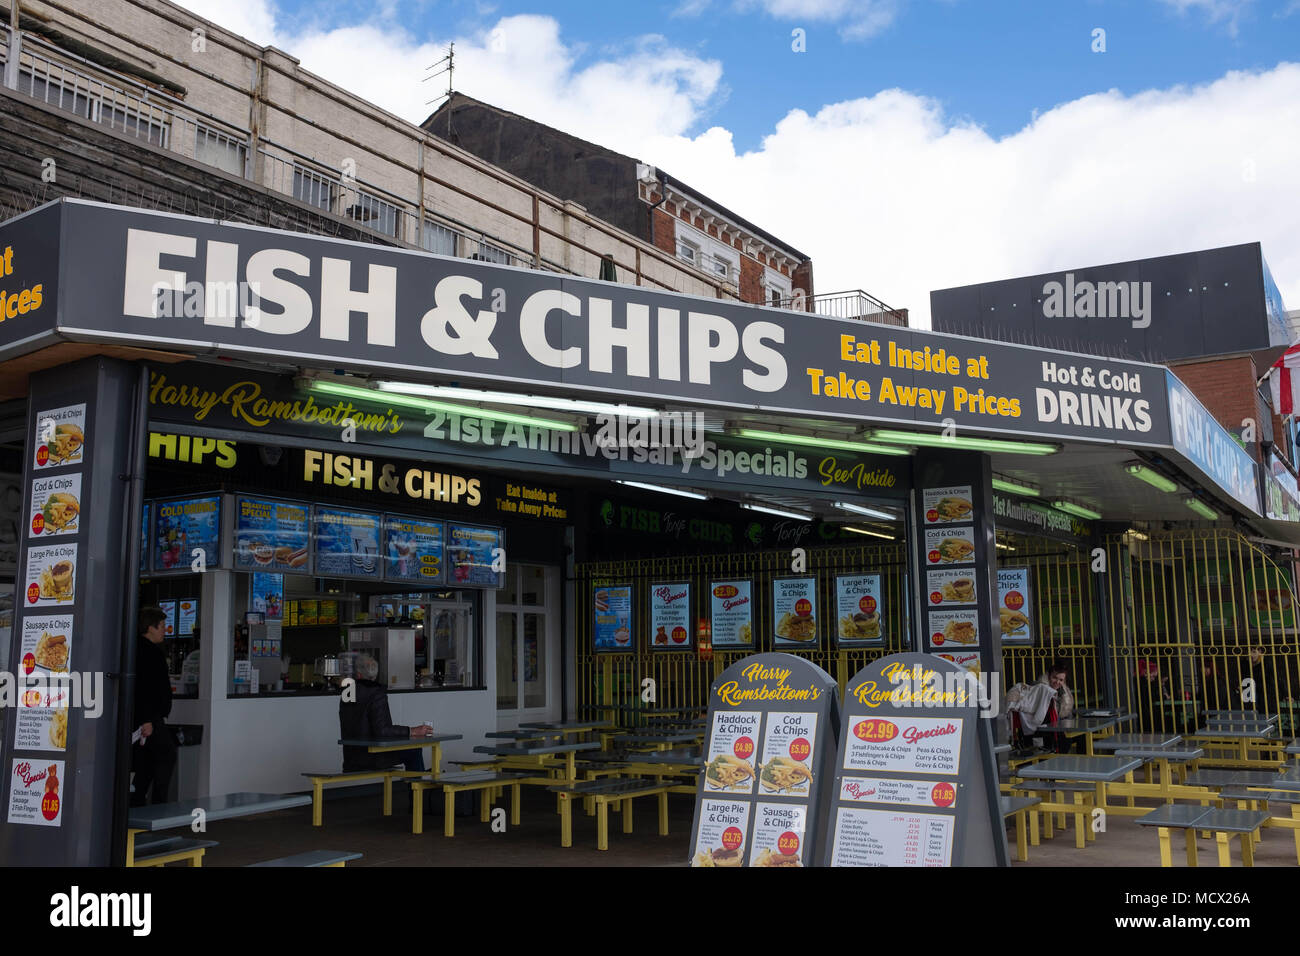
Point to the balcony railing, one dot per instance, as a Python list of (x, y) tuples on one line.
[(855, 304)]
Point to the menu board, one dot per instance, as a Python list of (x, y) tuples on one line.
[(270, 535), (181, 526), (36, 791), (670, 616), (328, 613), (268, 595), (612, 617), (472, 553), (60, 437), (56, 504), (42, 718), (413, 550), (857, 611), (954, 628), (769, 756), (794, 610), (946, 587), (187, 613), (308, 613), (949, 547), (1015, 606), (970, 659), (731, 613), (169, 622), (915, 779), (47, 643), (347, 543), (51, 578), (947, 505)]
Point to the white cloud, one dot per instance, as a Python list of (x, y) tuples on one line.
[(858, 19), (252, 19), (887, 192), (1214, 10)]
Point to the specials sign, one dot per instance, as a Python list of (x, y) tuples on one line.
[(773, 720), (241, 291)]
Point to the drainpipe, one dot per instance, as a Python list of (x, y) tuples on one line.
[(15, 48), (663, 195)]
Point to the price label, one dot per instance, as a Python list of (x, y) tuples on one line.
[(868, 604), (1015, 600), (744, 747), (803, 607), (788, 843), (875, 730), (943, 794), (732, 837), (800, 748)]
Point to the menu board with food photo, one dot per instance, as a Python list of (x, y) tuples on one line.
[(967, 659), (55, 505), (944, 505), (903, 743), (347, 543), (268, 594), (778, 839), (670, 616), (731, 610), (187, 614), (169, 622), (954, 627), (947, 546), (612, 617), (720, 837), (915, 793), (60, 436), (1015, 603), (270, 535), (36, 792), (472, 553), (733, 752), (42, 718), (857, 611), (51, 578), (947, 587), (183, 525), (46, 643), (889, 838), (788, 743), (413, 549), (794, 609)]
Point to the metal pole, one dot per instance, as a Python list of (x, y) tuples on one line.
[(15, 47)]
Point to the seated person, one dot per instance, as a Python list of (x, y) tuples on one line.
[(368, 718), (1042, 704)]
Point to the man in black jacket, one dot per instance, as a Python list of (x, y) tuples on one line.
[(153, 757), (368, 718)]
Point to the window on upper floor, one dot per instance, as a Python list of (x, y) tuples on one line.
[(490, 253), (378, 214), (219, 150), (315, 189), (688, 251), (438, 239)]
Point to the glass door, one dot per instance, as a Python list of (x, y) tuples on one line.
[(526, 639)]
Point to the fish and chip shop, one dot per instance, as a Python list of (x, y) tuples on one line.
[(526, 494)]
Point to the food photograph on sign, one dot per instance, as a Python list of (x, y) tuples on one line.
[(733, 751), (967, 659), (786, 764), (720, 840), (794, 610), (347, 543), (55, 505), (612, 617), (670, 616), (474, 554), (731, 609), (51, 575), (944, 505), (949, 546), (42, 718), (413, 549), (945, 587), (1015, 606), (857, 611), (60, 436), (183, 526), (270, 535), (36, 791), (778, 838), (959, 628), (46, 643)]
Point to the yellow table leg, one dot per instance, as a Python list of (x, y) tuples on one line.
[(1295, 815), (130, 845), (566, 821), (1248, 848), (602, 824), (1224, 858), (437, 761), (1191, 846), (388, 795), (1080, 840), (317, 803), (1166, 858), (417, 811), (484, 805), (448, 812), (514, 804), (663, 814), (1022, 851), (627, 815), (1033, 826)]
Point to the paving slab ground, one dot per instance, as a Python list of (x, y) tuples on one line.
[(355, 823)]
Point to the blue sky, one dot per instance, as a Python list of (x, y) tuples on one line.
[(914, 145)]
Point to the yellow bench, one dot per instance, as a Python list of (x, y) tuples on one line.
[(167, 850), (605, 792), (318, 781), (453, 783)]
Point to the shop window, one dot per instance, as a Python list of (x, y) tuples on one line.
[(523, 682)]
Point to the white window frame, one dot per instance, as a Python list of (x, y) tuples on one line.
[(710, 254), (773, 281), (435, 234)]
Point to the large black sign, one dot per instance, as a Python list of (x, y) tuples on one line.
[(242, 291), (29, 279)]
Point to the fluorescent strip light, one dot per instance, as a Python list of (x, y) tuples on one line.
[(663, 489), (1005, 547), (778, 512), (1079, 511), (869, 512), (970, 444), (1204, 510), (577, 406), (412, 401), (814, 442), (1015, 487), (1151, 477), (874, 534)]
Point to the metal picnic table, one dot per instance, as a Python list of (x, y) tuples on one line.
[(171, 816), (1075, 769), (533, 756), (384, 744), (661, 741), (1243, 734), (1086, 726)]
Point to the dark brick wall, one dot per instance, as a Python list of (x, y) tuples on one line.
[(751, 280)]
